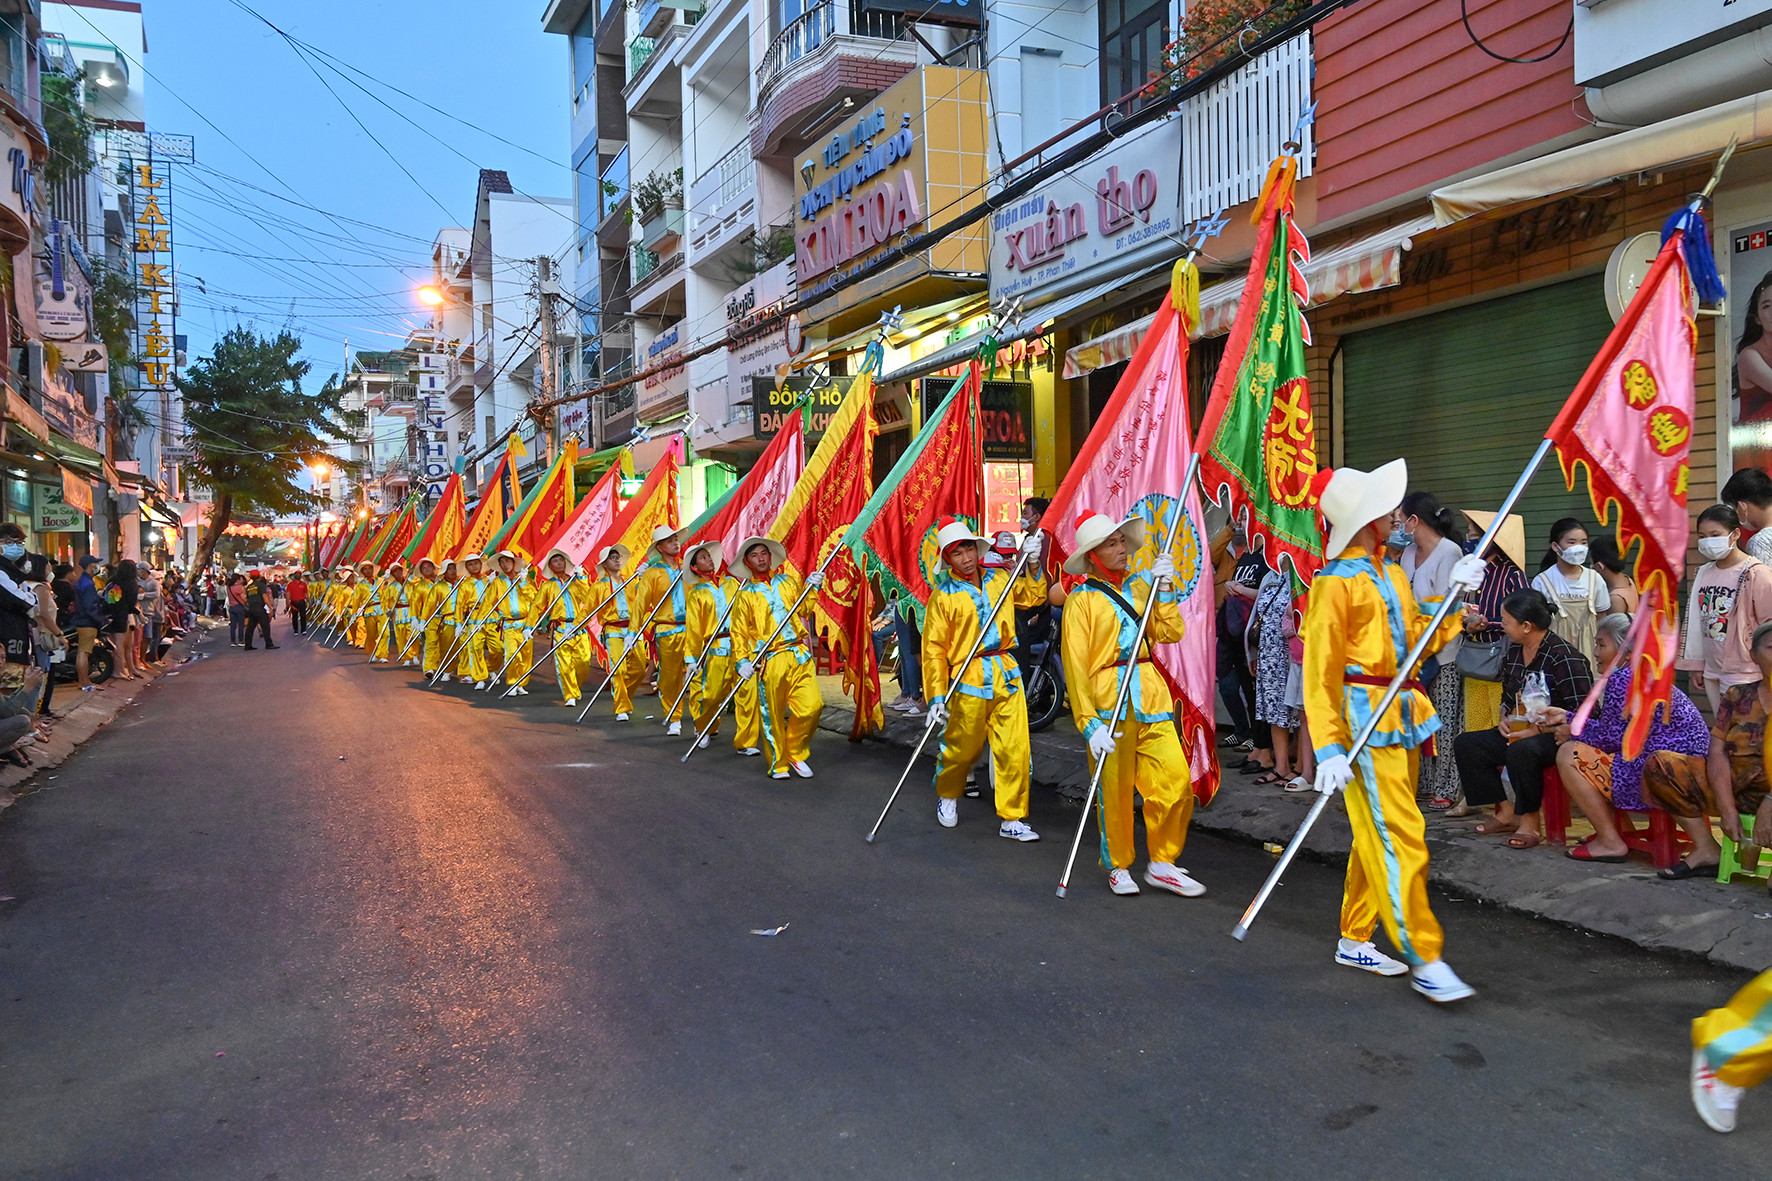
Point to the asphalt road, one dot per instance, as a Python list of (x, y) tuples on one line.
[(291, 917)]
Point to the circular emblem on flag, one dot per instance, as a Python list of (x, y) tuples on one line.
[(1669, 430), (929, 557), (1159, 513), (842, 579), (1638, 385)]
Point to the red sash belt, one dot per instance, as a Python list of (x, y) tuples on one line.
[(1142, 660), (1427, 748)]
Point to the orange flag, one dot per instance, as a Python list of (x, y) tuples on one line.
[(489, 514), (655, 505), (548, 508)]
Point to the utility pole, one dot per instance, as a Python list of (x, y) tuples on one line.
[(550, 361)]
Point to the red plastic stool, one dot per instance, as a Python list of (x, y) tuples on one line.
[(1661, 839)]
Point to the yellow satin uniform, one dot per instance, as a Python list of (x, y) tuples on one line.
[(790, 701), (708, 604), (616, 614), (470, 619), (984, 699), (1737, 1038), (396, 607), (661, 585), (367, 607), (440, 631), (1147, 758), (421, 594), (515, 608), (568, 603), (1361, 621)]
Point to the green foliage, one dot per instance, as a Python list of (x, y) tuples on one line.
[(650, 195), (113, 308), (251, 427), (68, 126), (773, 246), (1213, 30)]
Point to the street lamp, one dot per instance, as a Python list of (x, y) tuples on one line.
[(431, 297)]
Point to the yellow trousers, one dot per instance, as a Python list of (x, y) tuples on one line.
[(791, 706), (1737, 1038), (371, 633), (393, 641), (629, 672), (572, 660), (973, 720), (439, 638), (1387, 869), (713, 681), (672, 651), (472, 658), (515, 655), (1147, 759)]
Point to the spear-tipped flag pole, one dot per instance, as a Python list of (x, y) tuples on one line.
[(545, 611), (585, 623), (1656, 324), (628, 650)]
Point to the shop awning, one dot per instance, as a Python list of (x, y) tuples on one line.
[(1643, 149), (1366, 264), (1033, 322)]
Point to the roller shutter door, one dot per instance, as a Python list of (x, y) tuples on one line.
[(1466, 395)]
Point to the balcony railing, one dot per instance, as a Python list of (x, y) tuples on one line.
[(737, 171), (815, 27), (640, 51), (645, 262), (1233, 131)]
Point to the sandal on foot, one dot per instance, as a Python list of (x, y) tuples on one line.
[(1442, 804), (1264, 780), (1496, 828), (1525, 840), (1581, 853), (1683, 869)]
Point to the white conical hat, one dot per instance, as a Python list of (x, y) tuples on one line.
[(953, 532), (571, 566), (713, 549), (617, 548), (1092, 530), (660, 533), (1354, 499)]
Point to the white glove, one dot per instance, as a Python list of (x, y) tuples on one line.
[(1333, 774), (1031, 547), (528, 632), (1101, 743), (938, 712), (745, 669), (690, 664), (1163, 567), (815, 579), (1467, 573)]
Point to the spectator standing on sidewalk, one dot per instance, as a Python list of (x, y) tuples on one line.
[(63, 589), (89, 619), (297, 595), (276, 598), (48, 636), (1750, 491), (123, 599), (1435, 543), (236, 610), (153, 610), (258, 610), (1731, 596)]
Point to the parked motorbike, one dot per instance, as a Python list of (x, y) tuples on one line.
[(100, 663)]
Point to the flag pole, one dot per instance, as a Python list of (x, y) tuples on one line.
[(464, 635), (954, 676), (713, 638), (374, 594), (1124, 692), (421, 629), (1451, 601), (585, 624), (545, 612), (628, 650)]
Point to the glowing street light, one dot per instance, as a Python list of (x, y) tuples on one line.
[(431, 297)]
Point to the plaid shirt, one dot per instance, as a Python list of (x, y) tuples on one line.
[(1566, 671)]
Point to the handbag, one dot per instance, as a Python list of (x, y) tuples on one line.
[(1481, 660)]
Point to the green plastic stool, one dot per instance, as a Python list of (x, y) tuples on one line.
[(1729, 867)]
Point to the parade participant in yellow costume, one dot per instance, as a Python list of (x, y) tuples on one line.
[(1144, 755), (712, 591), (338, 596), (515, 608), (421, 593), (366, 604), (1732, 1052), (615, 612), (472, 605), (1359, 627), (984, 700), (439, 635), (660, 577), (396, 606), (789, 698), (566, 597)]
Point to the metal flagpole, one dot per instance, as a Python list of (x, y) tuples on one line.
[(953, 679), (421, 629), (713, 639), (1447, 605), (545, 611), (585, 624), (464, 634), (374, 596), (629, 648), (1124, 693)]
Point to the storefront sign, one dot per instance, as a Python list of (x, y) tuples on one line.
[(52, 511), (773, 406), (1006, 413), (671, 381), (86, 358), (1006, 485), (1749, 278), (156, 325), (1117, 213), (62, 291), (754, 346)]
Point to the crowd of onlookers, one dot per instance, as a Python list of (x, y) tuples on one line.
[(1535, 641)]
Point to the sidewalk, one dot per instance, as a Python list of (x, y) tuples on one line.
[(83, 715), (1728, 924)]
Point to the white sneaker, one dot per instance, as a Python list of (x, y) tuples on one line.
[(675, 730), (570, 702), (751, 752), (1015, 830), (801, 769), (1715, 1099), (1438, 982), (947, 812), (479, 684), (621, 717), (703, 743), (778, 775), (1368, 958), (1120, 882), (1167, 877), (445, 679)]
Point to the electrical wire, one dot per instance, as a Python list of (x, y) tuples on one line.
[(1464, 14)]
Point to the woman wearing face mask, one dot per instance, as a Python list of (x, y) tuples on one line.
[(1731, 596), (1433, 537), (1579, 594)]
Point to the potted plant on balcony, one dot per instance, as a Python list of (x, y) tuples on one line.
[(658, 204), (1211, 31)]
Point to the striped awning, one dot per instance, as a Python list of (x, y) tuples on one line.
[(1366, 264)]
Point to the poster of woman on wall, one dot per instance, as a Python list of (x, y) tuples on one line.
[(1750, 331)]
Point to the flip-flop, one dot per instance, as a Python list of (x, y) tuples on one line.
[(1264, 780), (1493, 828), (1525, 840), (1683, 869), (1580, 853), (1441, 804), (1254, 768)]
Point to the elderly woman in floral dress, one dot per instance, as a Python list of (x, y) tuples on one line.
[(1592, 762)]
